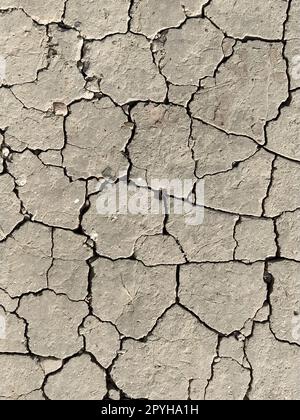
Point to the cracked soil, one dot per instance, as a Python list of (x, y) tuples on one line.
[(138, 93)]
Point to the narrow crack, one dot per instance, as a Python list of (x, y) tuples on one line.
[(265, 200), (215, 360)]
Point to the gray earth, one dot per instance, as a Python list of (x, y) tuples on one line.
[(188, 291)]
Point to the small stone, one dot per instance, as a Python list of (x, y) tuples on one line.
[(5, 152), (114, 394), (94, 236), (60, 109)]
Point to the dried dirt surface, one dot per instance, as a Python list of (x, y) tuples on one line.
[(150, 199)]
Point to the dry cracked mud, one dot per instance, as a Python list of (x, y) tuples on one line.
[(150, 199)]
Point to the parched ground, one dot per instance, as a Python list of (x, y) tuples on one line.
[(144, 302)]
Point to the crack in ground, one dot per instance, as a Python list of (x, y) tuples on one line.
[(268, 278)]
